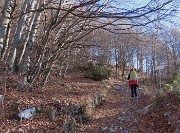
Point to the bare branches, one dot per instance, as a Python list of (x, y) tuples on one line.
[(67, 25)]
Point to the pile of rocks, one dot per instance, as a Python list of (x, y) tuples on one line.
[(95, 100)]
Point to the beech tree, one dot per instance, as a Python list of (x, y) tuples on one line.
[(6, 12), (46, 30)]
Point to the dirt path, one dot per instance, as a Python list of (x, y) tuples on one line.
[(118, 114)]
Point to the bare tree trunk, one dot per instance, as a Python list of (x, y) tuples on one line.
[(153, 76), (6, 42), (141, 60), (34, 6), (116, 60), (49, 69), (138, 56), (30, 43), (120, 56), (168, 63), (63, 69), (47, 75), (175, 64), (41, 58), (18, 34), (38, 67), (123, 64), (123, 69), (6, 18), (147, 62), (64, 64)]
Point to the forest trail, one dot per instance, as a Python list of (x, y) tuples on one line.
[(122, 114), (117, 114)]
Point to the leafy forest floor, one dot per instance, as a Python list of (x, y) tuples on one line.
[(118, 113)]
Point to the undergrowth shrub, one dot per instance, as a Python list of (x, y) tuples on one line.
[(170, 94), (174, 86), (98, 71)]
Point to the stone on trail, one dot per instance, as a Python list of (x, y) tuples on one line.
[(117, 87), (167, 113), (140, 88), (122, 116), (104, 128), (146, 109), (27, 113), (127, 131), (1, 97), (135, 120), (112, 130), (177, 130)]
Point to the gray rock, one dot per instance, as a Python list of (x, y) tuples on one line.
[(177, 130), (135, 120), (167, 113), (104, 128), (122, 116), (173, 121), (116, 127), (140, 89), (123, 113), (127, 131), (112, 130), (120, 128), (146, 109), (1, 97), (117, 87), (27, 113)]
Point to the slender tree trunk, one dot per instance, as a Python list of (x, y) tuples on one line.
[(18, 34), (138, 56), (123, 64), (147, 62), (6, 43), (38, 67), (6, 18), (175, 66), (116, 60), (35, 4), (141, 60), (49, 69), (30, 43), (41, 57), (153, 75), (168, 63)]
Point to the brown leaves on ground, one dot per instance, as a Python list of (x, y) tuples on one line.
[(74, 89)]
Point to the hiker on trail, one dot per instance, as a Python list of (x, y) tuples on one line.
[(133, 83)]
